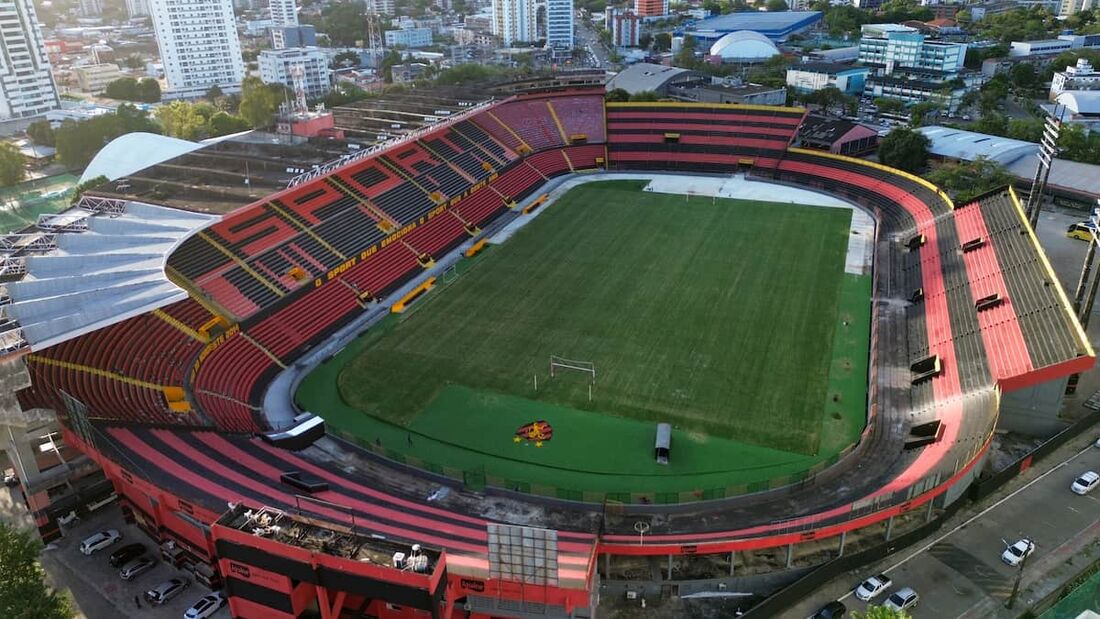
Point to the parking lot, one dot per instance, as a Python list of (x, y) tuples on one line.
[(96, 586)]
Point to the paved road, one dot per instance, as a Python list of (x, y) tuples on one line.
[(958, 573)]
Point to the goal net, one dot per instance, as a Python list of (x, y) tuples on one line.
[(561, 364)]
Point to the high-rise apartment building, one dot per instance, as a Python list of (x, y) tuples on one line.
[(514, 21), (287, 66), (137, 8), (651, 8), (26, 86), (624, 27), (559, 24), (910, 68), (198, 45), (1069, 7), (284, 14), (892, 48)]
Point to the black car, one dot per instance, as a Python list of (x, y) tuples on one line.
[(832, 610), (126, 554)]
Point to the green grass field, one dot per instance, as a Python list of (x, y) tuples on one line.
[(724, 318)]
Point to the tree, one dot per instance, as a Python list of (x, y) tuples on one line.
[(618, 95), (342, 22), (124, 88), (133, 61), (391, 58), (78, 142), (1027, 129), (181, 120), (214, 93), (12, 167), (41, 133), (889, 106), (258, 102), (881, 612), (148, 90), (128, 89), (662, 41), (23, 590), (991, 123), (905, 149), (776, 5), (921, 112), (343, 93), (1023, 76), (966, 180), (222, 123), (345, 60), (645, 96)]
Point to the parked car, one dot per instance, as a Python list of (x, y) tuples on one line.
[(136, 568), (1082, 231), (902, 599), (206, 606), (1018, 551), (99, 541), (870, 588), (1085, 483), (165, 591), (832, 610), (124, 555)]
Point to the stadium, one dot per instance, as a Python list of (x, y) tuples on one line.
[(542, 345)]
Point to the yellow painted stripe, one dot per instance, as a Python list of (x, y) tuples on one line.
[(172, 320), (1067, 307), (243, 264), (270, 355), (557, 121), (450, 165), (87, 369), (379, 213), (297, 224), (404, 175), (198, 295), (568, 160), (545, 177), (879, 166), (514, 134), (482, 148), (713, 106)]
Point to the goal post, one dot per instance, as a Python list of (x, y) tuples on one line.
[(558, 364)]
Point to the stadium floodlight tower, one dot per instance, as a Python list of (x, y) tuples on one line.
[(1085, 295), (1048, 148)]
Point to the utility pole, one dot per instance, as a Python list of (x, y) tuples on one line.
[(1019, 576)]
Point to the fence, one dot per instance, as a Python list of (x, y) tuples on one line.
[(984, 486), (478, 479)]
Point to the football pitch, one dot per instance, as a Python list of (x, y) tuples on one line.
[(733, 321)]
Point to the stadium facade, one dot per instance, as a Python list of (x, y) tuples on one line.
[(183, 324)]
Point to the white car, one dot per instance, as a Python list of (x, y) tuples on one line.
[(99, 541), (1017, 552), (206, 606), (1085, 483), (902, 599), (870, 588)]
